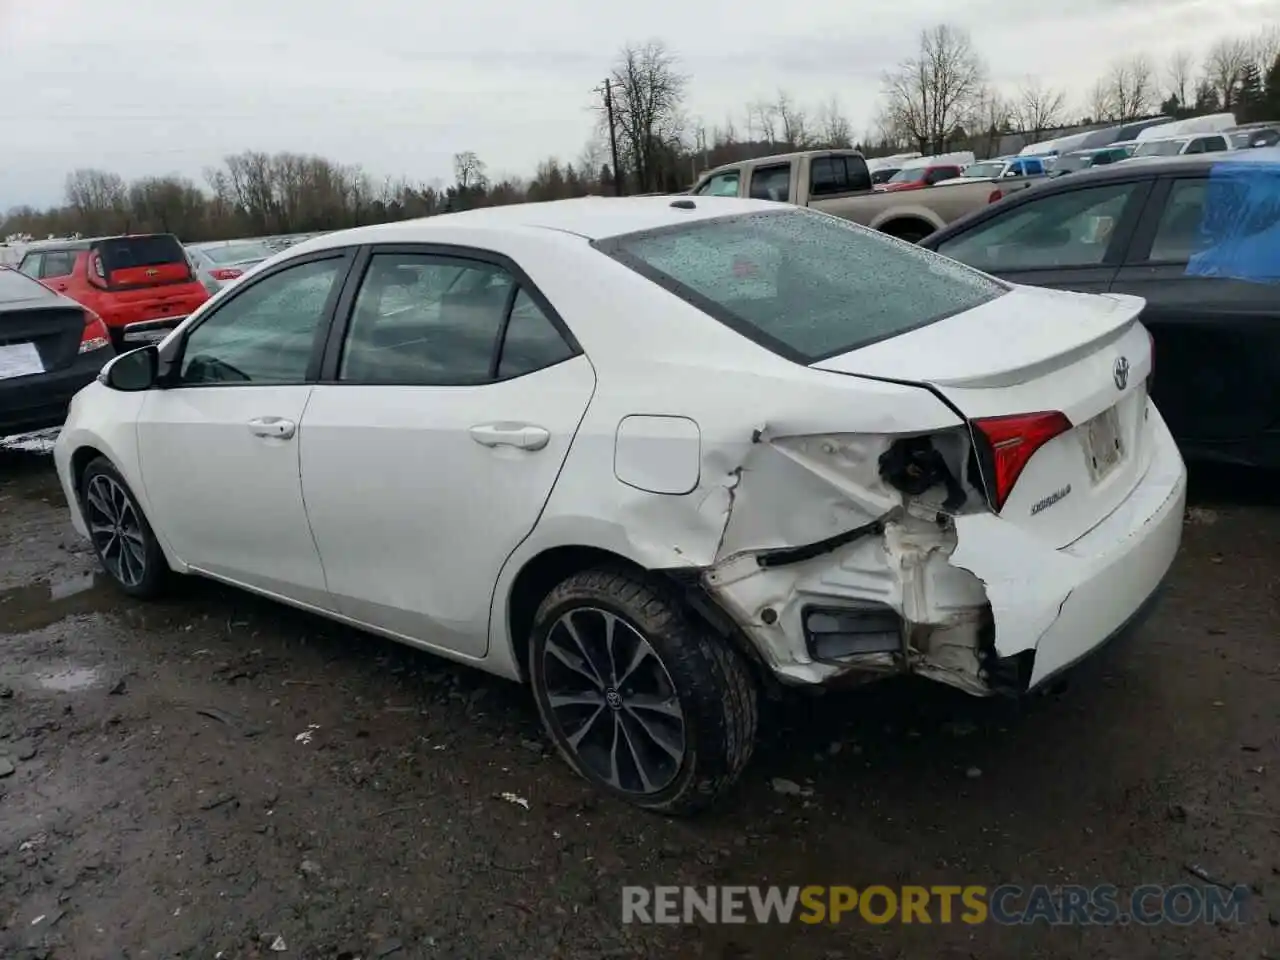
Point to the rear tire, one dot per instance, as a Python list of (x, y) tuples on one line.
[(638, 696), (122, 538)]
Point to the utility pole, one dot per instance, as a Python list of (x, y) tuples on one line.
[(613, 136)]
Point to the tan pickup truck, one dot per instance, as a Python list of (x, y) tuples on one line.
[(838, 182)]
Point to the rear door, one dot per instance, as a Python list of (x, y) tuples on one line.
[(447, 409), (56, 269), (1217, 338), (1069, 239)]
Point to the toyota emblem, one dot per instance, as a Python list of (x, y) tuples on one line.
[(1121, 372)]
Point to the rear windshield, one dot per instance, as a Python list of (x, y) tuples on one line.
[(18, 286), (909, 175), (122, 253), (1159, 148), (806, 285), (238, 253), (981, 171)]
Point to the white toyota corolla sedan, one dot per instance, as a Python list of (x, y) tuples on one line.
[(648, 455)]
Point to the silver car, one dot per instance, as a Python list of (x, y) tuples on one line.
[(219, 264)]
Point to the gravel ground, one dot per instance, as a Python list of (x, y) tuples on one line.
[(219, 776)]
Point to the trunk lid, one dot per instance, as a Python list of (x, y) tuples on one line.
[(1033, 351), (54, 330)]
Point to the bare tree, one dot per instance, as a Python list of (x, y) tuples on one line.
[(1266, 48), (1127, 90), (649, 94), (792, 122), (833, 128), (1100, 106), (98, 198), (1224, 68), (1179, 76), (1037, 108), (468, 170), (931, 93), (762, 119), (991, 118)]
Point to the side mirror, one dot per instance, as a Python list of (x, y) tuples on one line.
[(133, 371)]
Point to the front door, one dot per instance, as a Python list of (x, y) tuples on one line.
[(436, 440), (219, 442)]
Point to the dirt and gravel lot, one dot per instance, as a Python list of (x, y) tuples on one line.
[(220, 776)]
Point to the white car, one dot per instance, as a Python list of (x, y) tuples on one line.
[(648, 455)]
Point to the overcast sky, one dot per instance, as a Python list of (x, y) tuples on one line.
[(398, 86)]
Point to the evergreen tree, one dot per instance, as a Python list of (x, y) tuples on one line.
[(1249, 101)]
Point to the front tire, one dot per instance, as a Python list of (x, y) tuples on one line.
[(639, 698), (122, 538)]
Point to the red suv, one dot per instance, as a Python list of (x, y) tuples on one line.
[(141, 286)]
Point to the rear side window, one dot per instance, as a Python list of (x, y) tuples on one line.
[(59, 263), (429, 320), (833, 175), (805, 285), (31, 264), (771, 183)]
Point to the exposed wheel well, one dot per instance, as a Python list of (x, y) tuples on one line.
[(81, 459), (908, 228), (541, 574)]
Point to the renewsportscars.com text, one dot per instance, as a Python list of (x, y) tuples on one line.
[(1007, 904)]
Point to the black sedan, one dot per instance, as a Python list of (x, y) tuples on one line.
[(50, 347), (1199, 238)]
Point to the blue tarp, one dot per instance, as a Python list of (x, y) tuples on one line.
[(1240, 230)]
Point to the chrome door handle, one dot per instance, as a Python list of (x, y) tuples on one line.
[(524, 436), (277, 427)]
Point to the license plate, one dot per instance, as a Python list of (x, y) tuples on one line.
[(1103, 446), (19, 360)]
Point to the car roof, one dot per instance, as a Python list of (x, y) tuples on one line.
[(85, 243), (591, 218)]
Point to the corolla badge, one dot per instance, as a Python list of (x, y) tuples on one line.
[(1120, 372)]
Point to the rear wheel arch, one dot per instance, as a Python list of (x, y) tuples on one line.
[(540, 575), (910, 228)]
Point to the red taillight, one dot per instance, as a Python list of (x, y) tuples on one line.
[(1011, 442), (225, 273), (95, 335), (995, 195)]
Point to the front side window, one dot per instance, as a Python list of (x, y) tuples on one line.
[(771, 183), (1071, 229), (266, 333), (805, 285), (31, 264), (721, 185)]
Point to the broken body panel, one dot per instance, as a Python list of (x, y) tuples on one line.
[(787, 511)]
